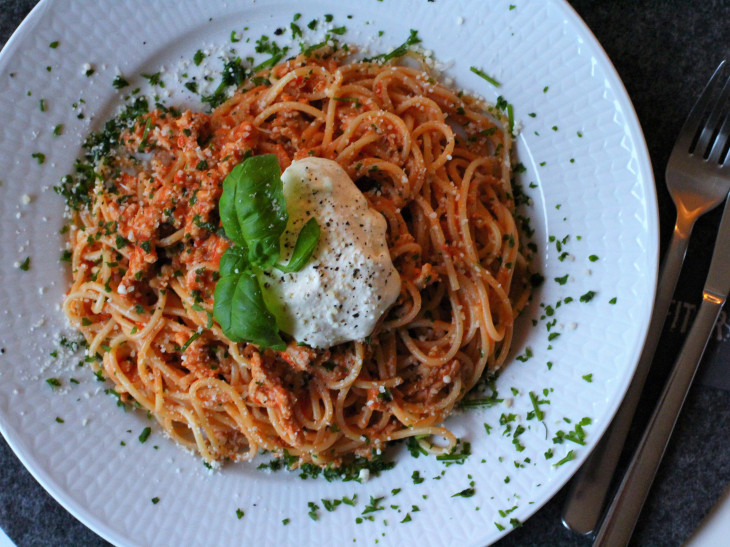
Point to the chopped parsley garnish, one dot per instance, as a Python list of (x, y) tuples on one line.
[(233, 74), (373, 505), (568, 457), (145, 434), (485, 76), (465, 493), (457, 455), (119, 82), (54, 44), (41, 158), (577, 436), (198, 57), (415, 448), (58, 130), (154, 79), (537, 413), (239, 514), (25, 265), (400, 51), (313, 510), (155, 500), (190, 340), (53, 382), (587, 297)]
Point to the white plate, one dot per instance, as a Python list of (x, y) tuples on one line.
[(596, 188)]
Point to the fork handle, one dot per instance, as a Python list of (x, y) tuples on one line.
[(626, 506), (585, 501)]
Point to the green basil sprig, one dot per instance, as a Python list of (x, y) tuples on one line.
[(254, 216)]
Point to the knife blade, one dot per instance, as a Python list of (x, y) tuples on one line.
[(624, 510)]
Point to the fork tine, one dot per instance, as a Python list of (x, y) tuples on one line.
[(718, 112), (692, 124), (718, 147)]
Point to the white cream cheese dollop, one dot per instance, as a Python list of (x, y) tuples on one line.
[(350, 281)]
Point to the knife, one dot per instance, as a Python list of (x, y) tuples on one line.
[(626, 505)]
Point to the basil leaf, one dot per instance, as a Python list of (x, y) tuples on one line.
[(241, 312), (227, 209), (234, 261), (255, 188), (304, 247)]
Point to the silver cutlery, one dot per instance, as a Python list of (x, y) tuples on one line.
[(696, 185), (626, 506)]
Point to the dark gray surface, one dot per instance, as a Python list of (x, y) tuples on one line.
[(664, 52)]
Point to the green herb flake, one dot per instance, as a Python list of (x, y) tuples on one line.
[(145, 434), (465, 493), (189, 341), (53, 382), (313, 510), (568, 457), (400, 50), (613, 300), (41, 158), (239, 514), (154, 79), (588, 377), (25, 265), (54, 44), (58, 130), (485, 76), (587, 297), (119, 82), (198, 57), (155, 500)]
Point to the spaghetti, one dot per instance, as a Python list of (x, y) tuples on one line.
[(146, 249)]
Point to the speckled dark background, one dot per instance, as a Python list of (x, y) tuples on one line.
[(664, 51)]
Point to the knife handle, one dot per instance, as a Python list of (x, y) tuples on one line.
[(626, 505)]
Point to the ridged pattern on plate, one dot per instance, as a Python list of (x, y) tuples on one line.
[(94, 463)]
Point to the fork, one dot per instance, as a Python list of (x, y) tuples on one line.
[(697, 182)]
